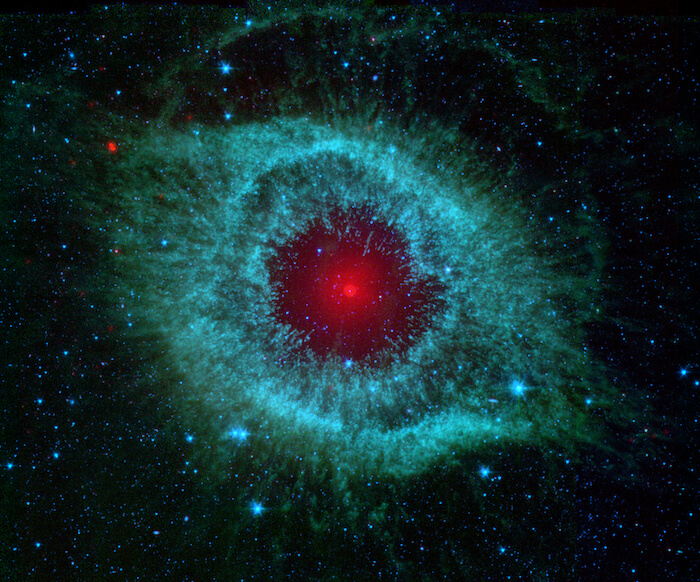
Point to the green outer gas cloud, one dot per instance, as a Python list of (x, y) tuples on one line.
[(199, 211)]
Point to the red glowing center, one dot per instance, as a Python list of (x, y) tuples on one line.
[(350, 290), (347, 285)]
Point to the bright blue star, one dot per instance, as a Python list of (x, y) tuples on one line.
[(225, 68), (256, 508), (684, 372), (518, 389), (484, 472)]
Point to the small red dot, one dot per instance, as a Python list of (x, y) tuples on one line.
[(350, 290), (112, 147)]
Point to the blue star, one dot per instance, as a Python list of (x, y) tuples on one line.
[(518, 389), (484, 472), (225, 68), (256, 508)]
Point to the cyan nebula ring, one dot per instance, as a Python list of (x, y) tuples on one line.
[(502, 361)]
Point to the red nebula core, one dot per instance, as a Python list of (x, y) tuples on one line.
[(346, 283), (350, 290)]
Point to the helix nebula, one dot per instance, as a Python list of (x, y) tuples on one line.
[(355, 274)]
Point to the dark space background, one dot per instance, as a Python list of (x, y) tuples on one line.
[(94, 483)]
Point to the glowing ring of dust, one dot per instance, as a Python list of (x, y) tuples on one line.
[(199, 211)]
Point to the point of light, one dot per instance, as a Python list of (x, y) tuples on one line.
[(256, 508), (518, 389), (484, 472), (350, 290), (225, 68)]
